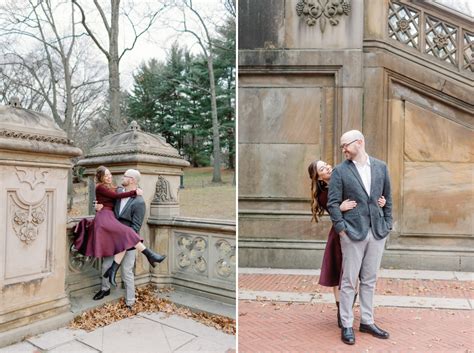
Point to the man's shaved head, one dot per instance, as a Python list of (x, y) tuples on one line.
[(351, 136)]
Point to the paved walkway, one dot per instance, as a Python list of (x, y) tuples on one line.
[(143, 333), (287, 311)]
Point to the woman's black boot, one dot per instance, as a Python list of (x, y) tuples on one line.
[(153, 257), (111, 273), (339, 322)]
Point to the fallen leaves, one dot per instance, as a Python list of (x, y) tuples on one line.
[(147, 301)]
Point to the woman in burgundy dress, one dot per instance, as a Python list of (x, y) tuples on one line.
[(331, 267), (107, 236)]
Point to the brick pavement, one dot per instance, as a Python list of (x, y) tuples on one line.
[(385, 286), (269, 326)]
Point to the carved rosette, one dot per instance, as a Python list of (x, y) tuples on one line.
[(225, 266), (27, 218), (163, 192), (192, 254), (332, 10)]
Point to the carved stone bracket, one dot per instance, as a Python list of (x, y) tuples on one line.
[(163, 192), (312, 10)]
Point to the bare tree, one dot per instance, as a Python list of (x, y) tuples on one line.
[(47, 71), (111, 51), (204, 40)]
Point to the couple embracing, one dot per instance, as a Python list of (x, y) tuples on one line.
[(357, 195)]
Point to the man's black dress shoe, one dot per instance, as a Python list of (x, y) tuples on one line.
[(374, 331), (347, 335), (100, 294)]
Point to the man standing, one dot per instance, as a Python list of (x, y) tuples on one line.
[(362, 230), (131, 212)]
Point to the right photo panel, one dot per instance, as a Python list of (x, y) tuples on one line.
[(355, 175)]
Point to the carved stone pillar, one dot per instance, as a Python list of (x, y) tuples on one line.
[(34, 163)]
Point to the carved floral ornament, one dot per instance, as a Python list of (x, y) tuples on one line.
[(313, 10), (27, 218)]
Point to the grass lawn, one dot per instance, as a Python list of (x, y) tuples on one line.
[(200, 197)]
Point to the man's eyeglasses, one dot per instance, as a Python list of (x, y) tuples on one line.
[(347, 144)]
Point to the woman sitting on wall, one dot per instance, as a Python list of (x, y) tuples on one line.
[(105, 235)]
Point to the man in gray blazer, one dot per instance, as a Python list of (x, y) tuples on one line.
[(362, 230), (131, 212)]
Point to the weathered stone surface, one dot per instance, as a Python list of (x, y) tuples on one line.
[(279, 115), (261, 24), (275, 170), (277, 226), (437, 198), (430, 137)]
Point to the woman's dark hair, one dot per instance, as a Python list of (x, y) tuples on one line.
[(99, 176), (316, 188)]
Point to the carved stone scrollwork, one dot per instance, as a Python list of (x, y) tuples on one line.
[(79, 262), (163, 192), (27, 218), (31, 176), (191, 256), (225, 266), (313, 10)]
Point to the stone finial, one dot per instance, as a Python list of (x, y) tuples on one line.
[(134, 126), (14, 102)]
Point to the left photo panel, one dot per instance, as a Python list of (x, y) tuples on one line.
[(118, 188)]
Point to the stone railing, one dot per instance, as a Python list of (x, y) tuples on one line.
[(450, 41), (201, 257)]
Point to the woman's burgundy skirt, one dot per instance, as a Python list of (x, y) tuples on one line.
[(104, 236), (331, 268)]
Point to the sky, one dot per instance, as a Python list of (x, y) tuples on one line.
[(153, 44), (156, 42)]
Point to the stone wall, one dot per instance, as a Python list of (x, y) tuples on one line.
[(302, 84)]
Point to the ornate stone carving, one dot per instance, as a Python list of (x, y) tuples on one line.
[(192, 253), (34, 137), (468, 51), (163, 191), (79, 262), (403, 24), (313, 10), (26, 218), (225, 266), (441, 40), (31, 176)]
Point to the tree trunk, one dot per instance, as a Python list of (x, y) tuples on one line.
[(114, 72), (216, 148)]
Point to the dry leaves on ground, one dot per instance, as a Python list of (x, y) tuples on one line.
[(146, 301)]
